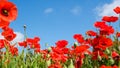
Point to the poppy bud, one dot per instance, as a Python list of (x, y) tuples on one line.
[(111, 60), (48, 55), (107, 51), (24, 26), (65, 66), (49, 49), (48, 62), (75, 44), (99, 57), (119, 48), (71, 64)]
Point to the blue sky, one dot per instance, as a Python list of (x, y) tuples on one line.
[(54, 20)]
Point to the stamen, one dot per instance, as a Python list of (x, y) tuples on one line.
[(5, 12)]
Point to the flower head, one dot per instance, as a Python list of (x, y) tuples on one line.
[(61, 43), (79, 38), (99, 24), (118, 34), (34, 43), (24, 43), (91, 33), (8, 11), (13, 50), (117, 10), (110, 18), (2, 45), (104, 28), (8, 33)]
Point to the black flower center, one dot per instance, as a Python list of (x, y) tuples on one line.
[(5, 12)]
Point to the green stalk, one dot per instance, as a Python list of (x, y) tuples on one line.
[(25, 34)]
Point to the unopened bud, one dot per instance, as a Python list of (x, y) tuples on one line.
[(48, 55), (111, 60), (65, 66), (71, 64), (48, 62), (119, 48), (99, 57), (49, 49), (75, 44), (24, 26), (107, 51)]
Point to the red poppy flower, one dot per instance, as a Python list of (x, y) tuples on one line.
[(91, 33), (37, 50), (3, 0), (117, 10), (65, 50), (34, 43), (34, 40), (36, 46), (95, 41), (100, 47), (8, 33), (13, 50), (58, 57), (110, 18), (56, 65), (99, 24), (106, 30), (81, 48), (79, 38), (88, 41), (61, 43), (2, 45), (115, 66), (118, 34), (64, 58), (101, 42), (57, 50), (55, 56), (8, 11), (103, 66), (97, 53), (114, 54), (60, 50), (24, 43)]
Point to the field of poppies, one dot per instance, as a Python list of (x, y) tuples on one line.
[(105, 44)]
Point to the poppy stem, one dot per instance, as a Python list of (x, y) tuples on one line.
[(25, 34), (1, 58), (119, 63), (119, 20)]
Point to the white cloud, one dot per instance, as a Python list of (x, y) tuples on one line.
[(107, 9), (19, 37), (76, 10), (48, 10)]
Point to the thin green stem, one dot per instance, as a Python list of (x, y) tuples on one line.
[(25, 34), (119, 20)]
